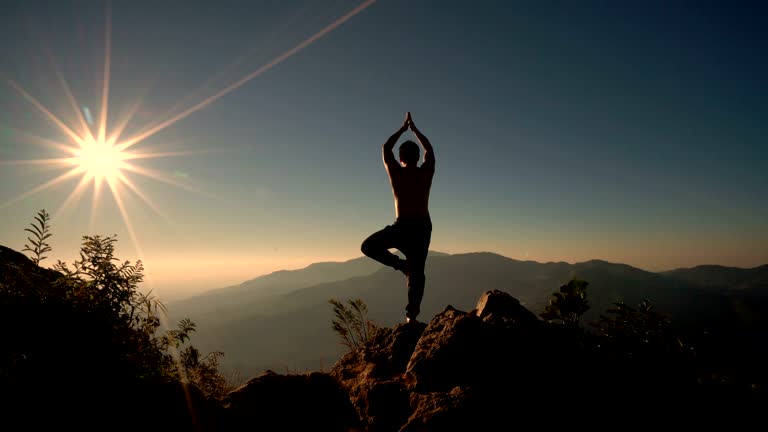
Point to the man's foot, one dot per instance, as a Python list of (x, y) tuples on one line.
[(410, 318), (405, 267)]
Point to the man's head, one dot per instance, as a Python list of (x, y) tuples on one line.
[(409, 153)]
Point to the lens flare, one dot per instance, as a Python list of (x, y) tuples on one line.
[(98, 153)]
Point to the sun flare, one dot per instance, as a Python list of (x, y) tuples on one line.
[(100, 160), (102, 157)]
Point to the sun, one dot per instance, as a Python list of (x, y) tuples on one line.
[(100, 160)]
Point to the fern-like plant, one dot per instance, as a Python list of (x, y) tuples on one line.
[(351, 324), (41, 232)]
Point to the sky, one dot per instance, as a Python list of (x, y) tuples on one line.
[(632, 132)]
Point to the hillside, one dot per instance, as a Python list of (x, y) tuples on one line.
[(752, 279)]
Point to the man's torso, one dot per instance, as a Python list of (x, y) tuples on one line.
[(410, 188)]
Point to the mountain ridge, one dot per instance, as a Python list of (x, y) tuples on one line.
[(271, 323), (362, 260)]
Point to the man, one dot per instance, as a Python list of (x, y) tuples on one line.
[(412, 230)]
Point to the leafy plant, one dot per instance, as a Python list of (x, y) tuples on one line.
[(93, 311), (351, 323), (41, 232), (203, 370), (568, 305)]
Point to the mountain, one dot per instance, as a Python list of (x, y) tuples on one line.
[(753, 279), (229, 299), (249, 294), (284, 326)]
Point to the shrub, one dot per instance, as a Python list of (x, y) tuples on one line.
[(568, 305), (351, 324)]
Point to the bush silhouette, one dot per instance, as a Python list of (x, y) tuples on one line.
[(351, 324), (82, 334), (569, 304)]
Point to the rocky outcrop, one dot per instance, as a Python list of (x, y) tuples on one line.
[(461, 370), (374, 376), (446, 374)]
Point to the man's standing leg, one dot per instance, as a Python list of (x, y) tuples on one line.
[(416, 252), (416, 281)]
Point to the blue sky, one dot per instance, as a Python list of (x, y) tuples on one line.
[(564, 131)]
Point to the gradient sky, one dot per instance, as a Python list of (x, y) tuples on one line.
[(633, 132)]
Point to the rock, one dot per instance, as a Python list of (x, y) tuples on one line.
[(441, 411), (386, 353), (498, 306), (290, 402), (450, 352), (386, 405), (372, 375)]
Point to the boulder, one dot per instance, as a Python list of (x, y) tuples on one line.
[(385, 354), (451, 352), (498, 306), (271, 401), (441, 411), (373, 376)]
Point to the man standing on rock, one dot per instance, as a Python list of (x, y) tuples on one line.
[(412, 230)]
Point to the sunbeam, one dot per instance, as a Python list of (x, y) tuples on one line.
[(105, 82), (129, 183), (86, 131), (94, 205), (51, 161), (64, 128), (73, 196), (237, 84), (157, 175), (130, 156), (123, 123), (44, 142), (260, 44), (50, 183), (115, 188)]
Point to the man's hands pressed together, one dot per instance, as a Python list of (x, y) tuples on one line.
[(407, 122)]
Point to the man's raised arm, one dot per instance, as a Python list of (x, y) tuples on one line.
[(389, 146), (429, 153)]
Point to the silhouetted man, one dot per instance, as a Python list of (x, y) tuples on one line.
[(412, 230)]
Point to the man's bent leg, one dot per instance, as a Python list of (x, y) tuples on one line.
[(377, 247)]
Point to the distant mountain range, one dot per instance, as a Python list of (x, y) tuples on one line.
[(283, 320)]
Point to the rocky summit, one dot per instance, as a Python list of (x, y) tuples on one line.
[(457, 371), (471, 369)]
